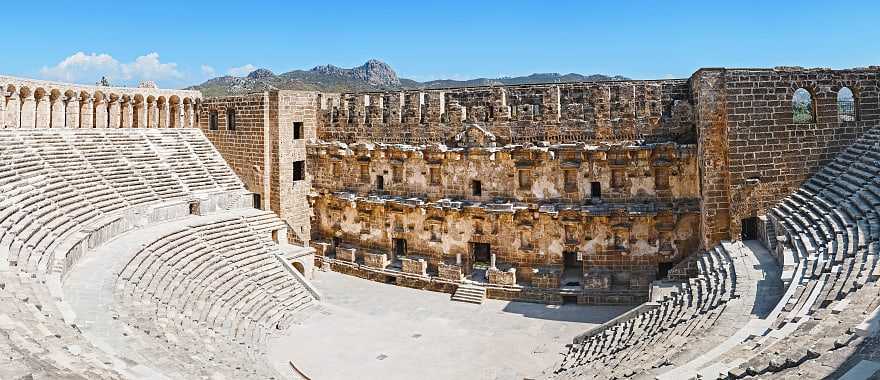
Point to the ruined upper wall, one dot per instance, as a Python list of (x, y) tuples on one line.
[(30, 103), (657, 110), (564, 172), (753, 151)]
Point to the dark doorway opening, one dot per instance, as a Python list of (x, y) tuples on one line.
[(573, 269), (258, 201), (390, 280), (482, 253), (663, 270), (476, 188), (569, 299), (335, 244), (399, 247), (380, 182), (194, 208), (596, 189), (750, 228)]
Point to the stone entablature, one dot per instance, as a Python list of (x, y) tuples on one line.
[(631, 239), (29, 103), (528, 173), (587, 111)]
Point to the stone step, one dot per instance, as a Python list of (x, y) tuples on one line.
[(469, 293)]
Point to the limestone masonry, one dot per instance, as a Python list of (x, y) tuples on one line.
[(149, 233)]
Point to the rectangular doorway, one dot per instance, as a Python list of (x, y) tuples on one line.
[(399, 247), (663, 270), (335, 244), (482, 253), (750, 228), (380, 182), (258, 201), (573, 269), (596, 190)]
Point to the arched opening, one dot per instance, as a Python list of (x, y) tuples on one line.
[(803, 107), (846, 105), (299, 267)]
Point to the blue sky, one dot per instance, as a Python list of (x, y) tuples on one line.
[(178, 43)]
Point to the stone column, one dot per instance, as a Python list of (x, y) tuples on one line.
[(72, 112), (492, 261), (127, 114), (178, 115), (44, 112), (58, 112), (100, 112), (115, 113), (87, 112), (2, 111), (28, 111), (187, 115), (163, 115), (140, 113), (152, 115), (13, 111)]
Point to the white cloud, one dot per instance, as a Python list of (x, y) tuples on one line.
[(241, 71), (148, 67), (208, 71), (82, 67)]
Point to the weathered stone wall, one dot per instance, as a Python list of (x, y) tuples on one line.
[(287, 109), (625, 172), (262, 149), (242, 148), (594, 111), (630, 240), (748, 114)]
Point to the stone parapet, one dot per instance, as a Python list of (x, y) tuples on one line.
[(416, 266), (375, 260)]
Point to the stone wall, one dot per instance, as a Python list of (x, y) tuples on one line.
[(560, 173), (657, 110), (243, 147), (753, 152), (289, 110), (629, 239), (262, 149)]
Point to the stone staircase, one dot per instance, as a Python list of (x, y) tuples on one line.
[(469, 293)]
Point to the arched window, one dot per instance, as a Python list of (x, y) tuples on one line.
[(846, 105), (802, 107)]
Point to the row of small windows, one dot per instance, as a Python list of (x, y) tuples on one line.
[(804, 108), (213, 120), (213, 123)]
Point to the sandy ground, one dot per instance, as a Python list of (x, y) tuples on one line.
[(368, 330)]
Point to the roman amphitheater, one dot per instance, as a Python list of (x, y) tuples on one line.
[(722, 226)]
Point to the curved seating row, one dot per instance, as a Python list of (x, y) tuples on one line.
[(661, 331), (207, 314), (828, 247)]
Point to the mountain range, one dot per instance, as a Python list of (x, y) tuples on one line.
[(374, 75)]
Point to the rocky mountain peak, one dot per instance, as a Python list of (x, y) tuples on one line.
[(261, 74), (374, 72)]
